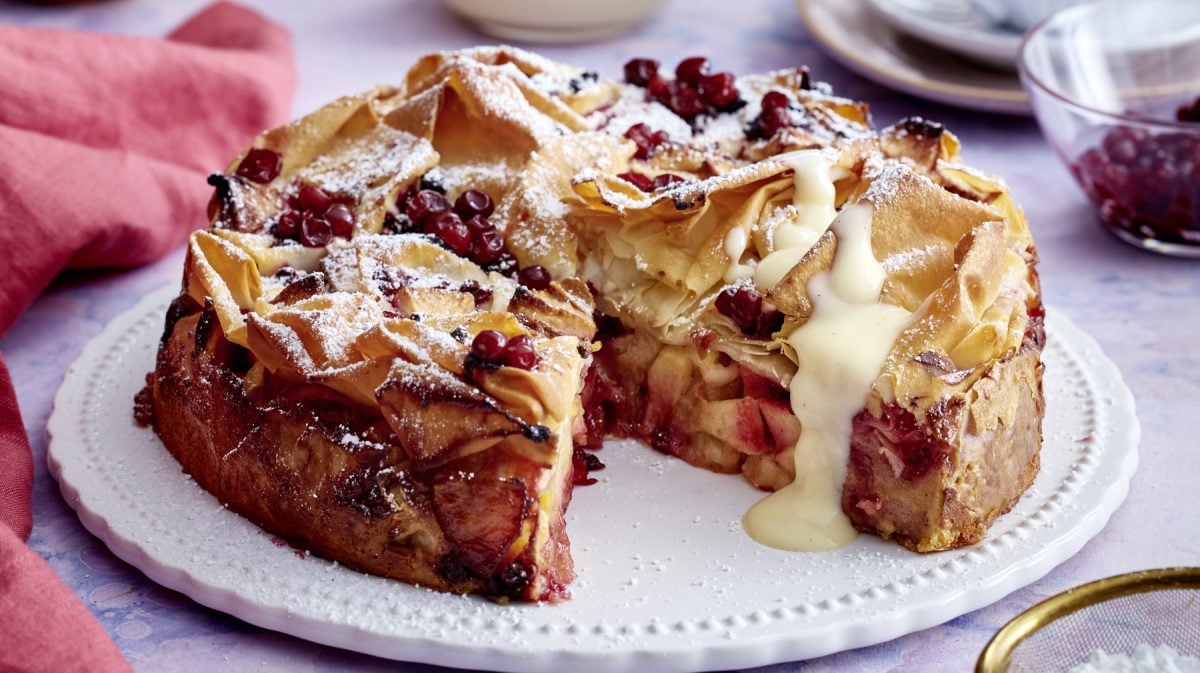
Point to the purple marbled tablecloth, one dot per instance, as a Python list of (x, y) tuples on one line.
[(1143, 309)]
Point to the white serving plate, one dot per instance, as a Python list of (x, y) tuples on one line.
[(668, 581), (954, 25), (852, 33)]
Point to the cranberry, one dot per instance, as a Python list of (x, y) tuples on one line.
[(746, 309), (693, 92), (776, 115), (449, 228), (288, 224), (741, 305), (718, 90), (657, 88), (479, 293), (260, 165), (647, 140), (1147, 184), (341, 220), (666, 180), (312, 199), (1189, 113), (489, 345), (519, 353), (640, 71), (479, 224), (314, 231), (583, 462), (424, 205), (473, 202), (534, 277), (487, 247), (690, 70), (770, 122), (686, 102), (642, 182), (775, 99), (768, 322)]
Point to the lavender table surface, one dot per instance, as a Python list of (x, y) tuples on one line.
[(1143, 309)]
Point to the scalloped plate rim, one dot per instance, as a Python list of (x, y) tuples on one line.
[(63, 430)]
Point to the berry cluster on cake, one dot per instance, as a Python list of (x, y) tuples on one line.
[(420, 310)]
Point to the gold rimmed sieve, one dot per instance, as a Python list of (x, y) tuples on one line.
[(1114, 615)]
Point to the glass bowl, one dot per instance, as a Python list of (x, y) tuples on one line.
[(1113, 84), (1146, 620)]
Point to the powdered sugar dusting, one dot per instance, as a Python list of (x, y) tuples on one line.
[(1145, 658)]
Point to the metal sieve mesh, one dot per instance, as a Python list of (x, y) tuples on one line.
[(1117, 626), (1116, 615)]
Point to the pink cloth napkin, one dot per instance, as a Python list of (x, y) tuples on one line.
[(105, 144)]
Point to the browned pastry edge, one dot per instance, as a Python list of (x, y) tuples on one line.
[(358, 503), (951, 480)]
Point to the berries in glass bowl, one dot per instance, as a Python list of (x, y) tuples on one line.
[(1121, 107), (1145, 183)]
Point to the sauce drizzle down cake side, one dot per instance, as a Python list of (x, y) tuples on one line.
[(420, 310)]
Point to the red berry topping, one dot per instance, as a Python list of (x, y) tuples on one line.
[(583, 462), (424, 205), (260, 165), (686, 102), (473, 202), (693, 92), (642, 182), (745, 308), (718, 90), (450, 229), (741, 305), (489, 345), (288, 224), (771, 121), (690, 70), (657, 88), (487, 247), (640, 71), (666, 180), (479, 224), (647, 141), (312, 199), (775, 99), (768, 323), (534, 277), (340, 219), (519, 353), (314, 231)]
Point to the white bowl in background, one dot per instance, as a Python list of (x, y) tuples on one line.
[(549, 21)]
